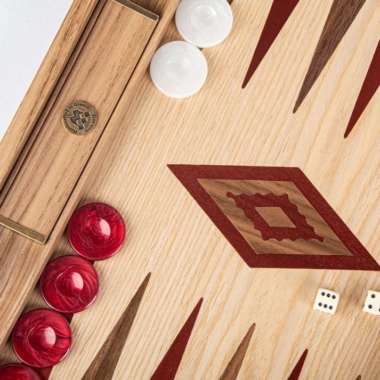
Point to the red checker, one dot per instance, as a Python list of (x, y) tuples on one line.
[(17, 372), (41, 338), (96, 231), (274, 217), (69, 284)]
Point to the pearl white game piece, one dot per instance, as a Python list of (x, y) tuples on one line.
[(372, 303), (326, 301), (178, 69), (204, 23)]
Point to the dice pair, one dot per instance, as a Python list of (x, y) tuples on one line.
[(327, 301)]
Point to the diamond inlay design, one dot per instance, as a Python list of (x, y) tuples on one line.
[(274, 217), (300, 229)]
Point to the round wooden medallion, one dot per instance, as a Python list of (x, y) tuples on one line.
[(79, 118)]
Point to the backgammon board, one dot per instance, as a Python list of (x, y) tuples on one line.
[(240, 202)]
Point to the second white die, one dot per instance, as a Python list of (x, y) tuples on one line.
[(326, 301), (372, 303)]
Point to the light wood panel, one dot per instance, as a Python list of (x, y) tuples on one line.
[(170, 236)]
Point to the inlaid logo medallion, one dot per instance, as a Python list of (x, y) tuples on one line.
[(79, 118)]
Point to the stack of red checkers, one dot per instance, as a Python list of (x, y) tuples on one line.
[(69, 284)]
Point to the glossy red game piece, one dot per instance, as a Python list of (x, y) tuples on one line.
[(17, 371), (41, 338), (96, 231), (69, 284)]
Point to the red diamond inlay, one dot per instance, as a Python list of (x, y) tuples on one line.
[(232, 197)]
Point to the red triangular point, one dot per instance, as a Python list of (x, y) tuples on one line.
[(370, 86), (170, 363), (255, 208), (277, 18), (298, 368)]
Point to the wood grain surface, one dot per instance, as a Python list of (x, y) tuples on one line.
[(105, 362), (368, 90), (233, 368), (277, 17), (298, 368), (169, 365), (341, 16), (20, 272), (170, 236), (43, 85), (100, 74), (47, 103)]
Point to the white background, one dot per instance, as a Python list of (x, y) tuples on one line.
[(27, 29)]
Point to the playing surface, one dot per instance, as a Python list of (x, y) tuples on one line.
[(188, 251)]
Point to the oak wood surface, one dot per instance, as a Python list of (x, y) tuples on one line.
[(170, 236), (340, 18)]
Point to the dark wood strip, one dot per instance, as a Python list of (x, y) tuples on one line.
[(170, 363), (104, 364), (233, 368), (370, 86), (298, 368), (278, 15), (359, 377), (340, 18)]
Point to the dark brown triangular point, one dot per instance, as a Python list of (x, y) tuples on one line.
[(171, 361), (104, 364), (359, 377), (298, 368), (233, 368), (370, 86), (339, 20), (277, 18)]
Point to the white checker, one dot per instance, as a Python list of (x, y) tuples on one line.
[(372, 303), (204, 23), (326, 301), (178, 69)]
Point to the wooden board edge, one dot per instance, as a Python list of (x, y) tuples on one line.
[(43, 84)]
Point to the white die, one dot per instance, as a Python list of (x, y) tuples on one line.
[(372, 303), (326, 301)]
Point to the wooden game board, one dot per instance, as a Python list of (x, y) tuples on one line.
[(190, 295)]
